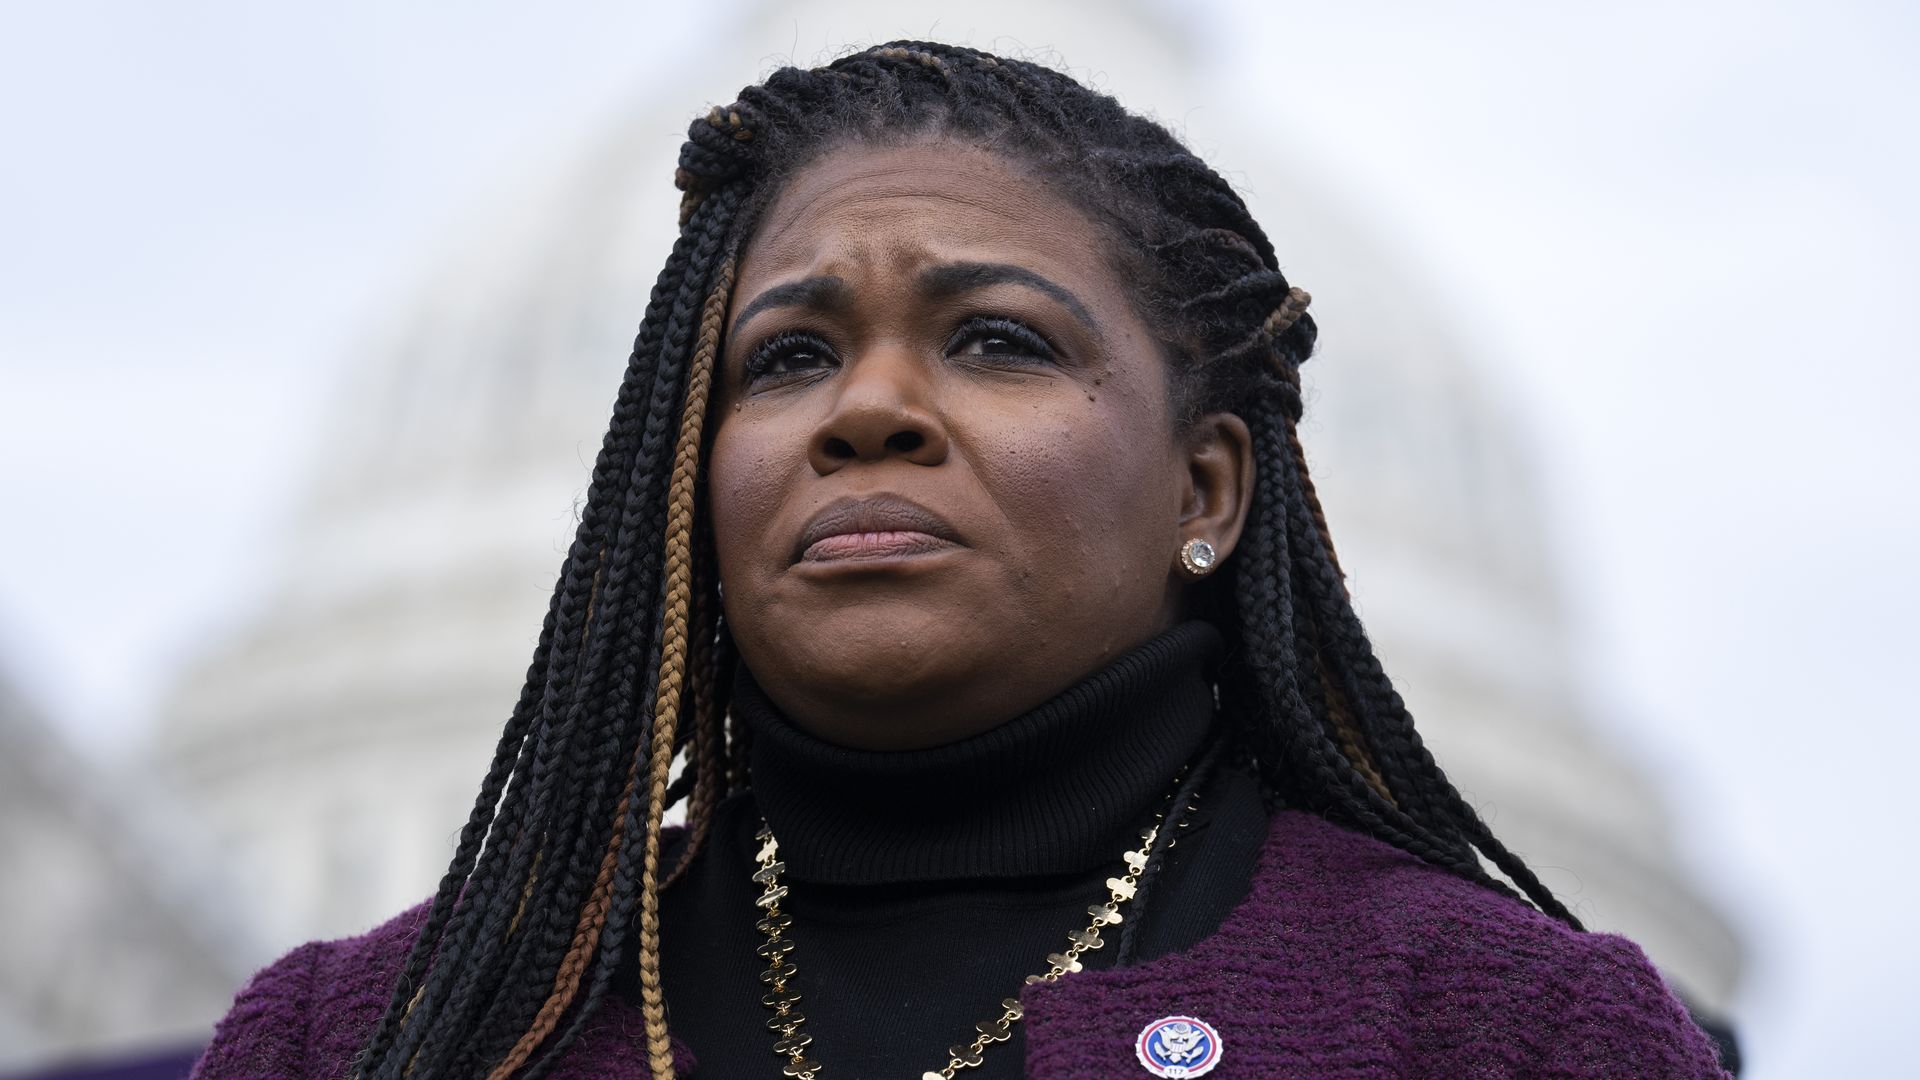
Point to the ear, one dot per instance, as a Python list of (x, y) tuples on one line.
[(1219, 484)]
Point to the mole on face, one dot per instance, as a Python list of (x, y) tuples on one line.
[(927, 521)]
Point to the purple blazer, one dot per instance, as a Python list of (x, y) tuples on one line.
[(1348, 959)]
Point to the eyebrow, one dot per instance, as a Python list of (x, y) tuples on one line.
[(949, 280), (823, 293), (942, 282)]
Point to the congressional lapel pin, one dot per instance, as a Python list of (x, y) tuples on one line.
[(1178, 1047)]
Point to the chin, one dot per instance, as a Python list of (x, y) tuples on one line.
[(876, 660), (880, 662)]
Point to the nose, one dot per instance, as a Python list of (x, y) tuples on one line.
[(882, 408)]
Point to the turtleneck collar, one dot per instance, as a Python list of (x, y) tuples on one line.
[(1058, 790)]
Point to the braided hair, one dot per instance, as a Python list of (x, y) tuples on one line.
[(560, 860)]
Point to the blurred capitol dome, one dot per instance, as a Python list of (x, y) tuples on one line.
[(118, 934), (335, 747)]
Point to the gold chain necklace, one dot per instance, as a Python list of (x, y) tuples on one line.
[(787, 1021)]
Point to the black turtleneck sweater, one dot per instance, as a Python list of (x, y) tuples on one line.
[(926, 885)]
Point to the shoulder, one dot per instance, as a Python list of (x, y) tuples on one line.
[(1483, 977), (307, 1013), (1362, 881)]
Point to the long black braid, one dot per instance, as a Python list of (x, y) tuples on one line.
[(559, 861)]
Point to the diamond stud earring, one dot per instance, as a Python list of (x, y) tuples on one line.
[(1198, 558)]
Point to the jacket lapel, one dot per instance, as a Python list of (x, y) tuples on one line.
[(1254, 981)]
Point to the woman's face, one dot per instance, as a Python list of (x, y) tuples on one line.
[(945, 481)]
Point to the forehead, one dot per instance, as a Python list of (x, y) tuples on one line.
[(898, 207)]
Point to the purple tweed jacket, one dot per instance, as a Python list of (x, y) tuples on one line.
[(1348, 959)]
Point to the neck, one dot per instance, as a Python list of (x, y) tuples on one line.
[(1057, 790)]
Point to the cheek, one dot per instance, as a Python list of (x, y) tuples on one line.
[(745, 479), (1092, 485)]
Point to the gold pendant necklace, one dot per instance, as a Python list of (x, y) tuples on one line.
[(787, 1020)]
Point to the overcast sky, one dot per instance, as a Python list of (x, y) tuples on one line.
[(1683, 235)]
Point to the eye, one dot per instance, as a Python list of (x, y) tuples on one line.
[(1000, 339), (787, 356)]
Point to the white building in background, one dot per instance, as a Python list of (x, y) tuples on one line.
[(117, 934), (332, 751)]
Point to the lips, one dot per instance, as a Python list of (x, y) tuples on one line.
[(873, 527)]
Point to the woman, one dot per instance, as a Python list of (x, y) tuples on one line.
[(953, 528)]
